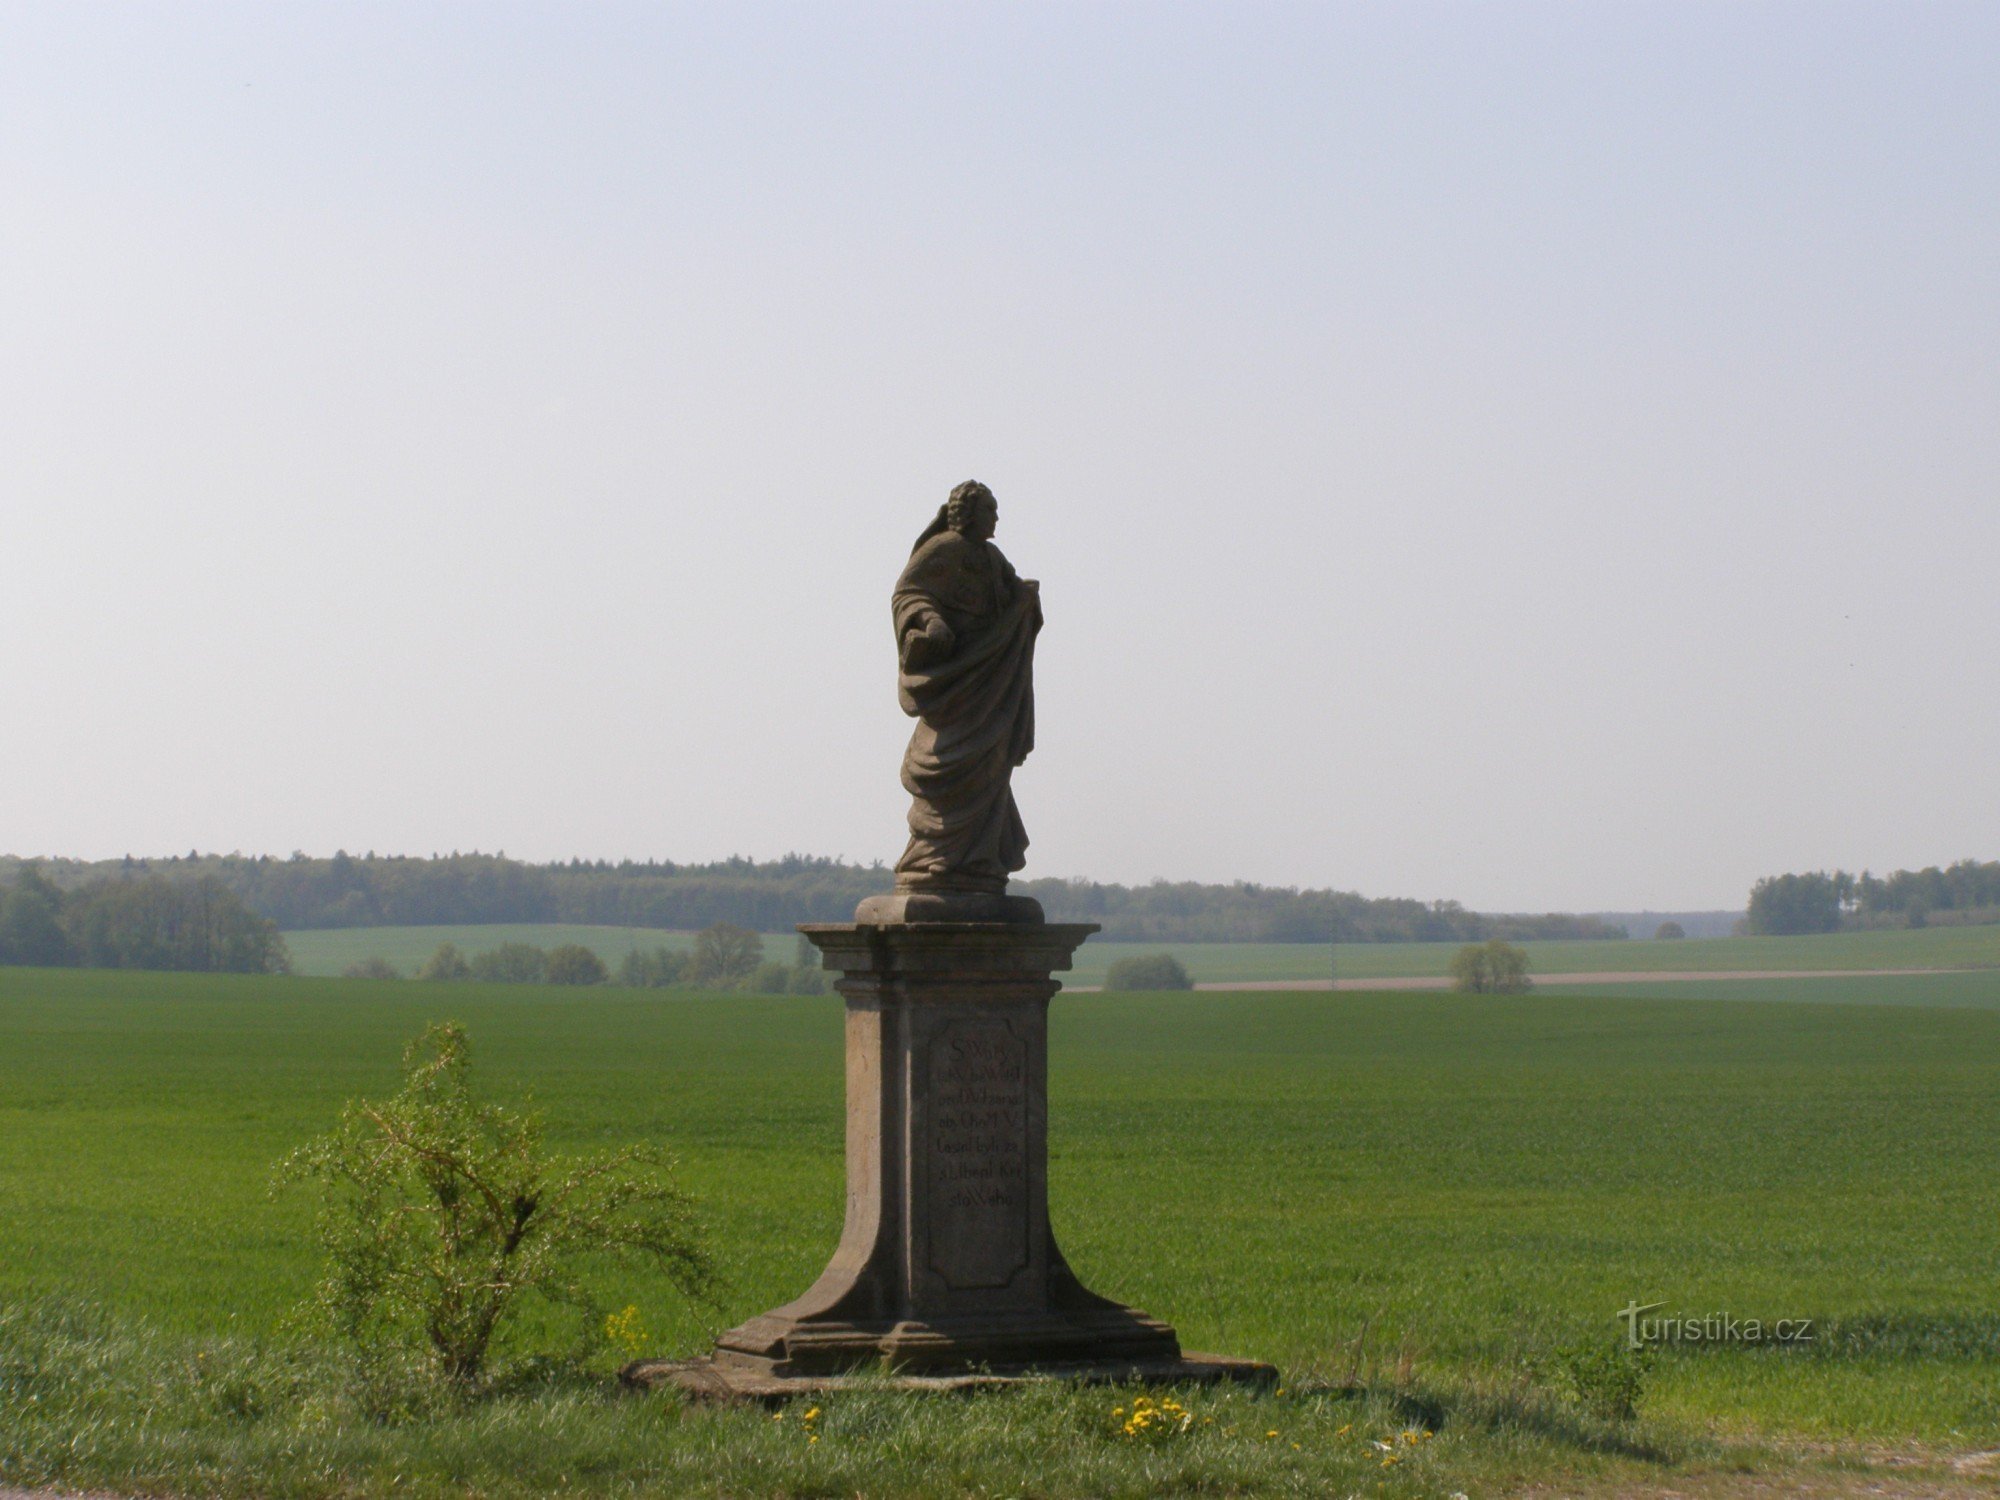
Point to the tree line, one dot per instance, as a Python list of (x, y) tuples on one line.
[(724, 957), (146, 922), (1963, 894), (372, 890)]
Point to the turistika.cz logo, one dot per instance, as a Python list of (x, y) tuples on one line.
[(1708, 1328)]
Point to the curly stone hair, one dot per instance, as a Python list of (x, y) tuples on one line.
[(961, 498)]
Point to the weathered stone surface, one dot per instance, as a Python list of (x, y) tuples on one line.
[(947, 1263), (898, 908), (965, 648), (947, 1272)]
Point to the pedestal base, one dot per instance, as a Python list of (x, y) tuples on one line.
[(946, 1269), (1051, 1320), (715, 1379)]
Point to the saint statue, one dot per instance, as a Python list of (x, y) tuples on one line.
[(965, 646)]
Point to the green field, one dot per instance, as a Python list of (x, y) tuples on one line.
[(1474, 1180), (327, 952), (1978, 989)]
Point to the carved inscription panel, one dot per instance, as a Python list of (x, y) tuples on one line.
[(978, 1151)]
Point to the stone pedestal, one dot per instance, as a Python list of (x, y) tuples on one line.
[(947, 1269)]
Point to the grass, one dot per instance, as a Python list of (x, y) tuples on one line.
[(1475, 1182), (226, 1417), (1978, 989), (328, 951), (1212, 963)]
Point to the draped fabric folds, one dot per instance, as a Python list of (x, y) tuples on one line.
[(975, 711)]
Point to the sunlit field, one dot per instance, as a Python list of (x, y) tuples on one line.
[(1473, 1182), (328, 951)]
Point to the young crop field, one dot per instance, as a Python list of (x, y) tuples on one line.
[(1976, 988), (1411, 1203), (1927, 948), (328, 951)]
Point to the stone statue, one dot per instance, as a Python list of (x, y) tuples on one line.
[(965, 644), (948, 1272)]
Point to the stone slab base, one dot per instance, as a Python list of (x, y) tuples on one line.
[(720, 1381), (902, 907)]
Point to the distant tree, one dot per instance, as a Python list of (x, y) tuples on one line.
[(572, 963), (31, 928), (808, 973), (1148, 971), (511, 963), (459, 889), (1670, 930), (652, 968), (1790, 904), (725, 952), (157, 923), (446, 965), (372, 967), (770, 978), (1491, 968)]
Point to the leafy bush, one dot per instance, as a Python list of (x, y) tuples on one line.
[(1607, 1379), (717, 963), (447, 965), (1149, 971), (1493, 968), (511, 963), (372, 967), (770, 978), (1668, 930), (652, 968), (572, 963), (724, 952), (439, 1211)]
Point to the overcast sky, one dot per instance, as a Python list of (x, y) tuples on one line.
[(1547, 456)]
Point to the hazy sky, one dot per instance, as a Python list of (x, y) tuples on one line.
[(1547, 456)]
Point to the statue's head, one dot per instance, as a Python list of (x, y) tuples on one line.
[(972, 511)]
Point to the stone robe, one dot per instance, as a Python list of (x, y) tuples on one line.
[(975, 712)]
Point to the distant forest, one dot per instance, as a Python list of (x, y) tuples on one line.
[(1965, 894), (401, 891), (144, 922)]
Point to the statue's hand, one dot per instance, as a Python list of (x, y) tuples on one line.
[(933, 645)]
